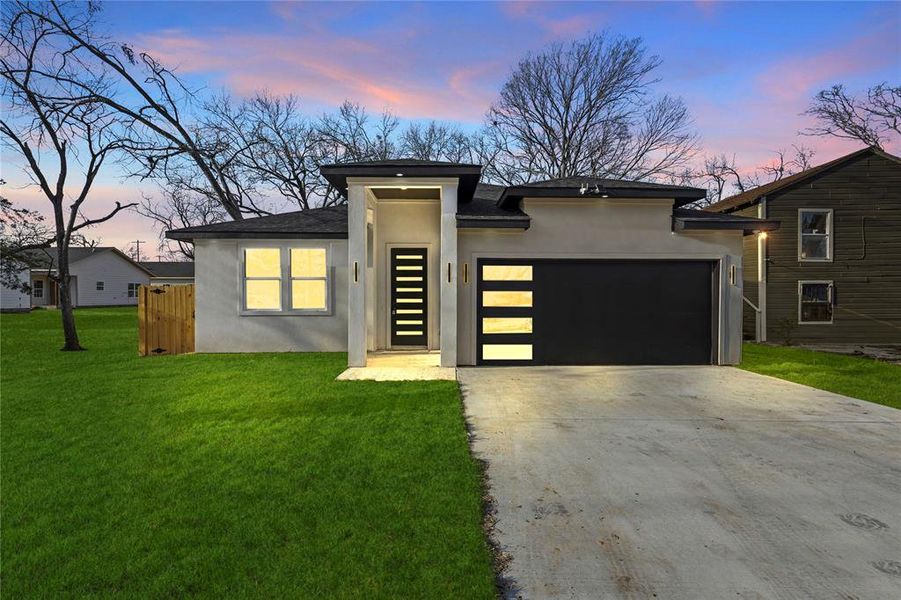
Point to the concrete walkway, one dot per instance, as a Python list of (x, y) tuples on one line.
[(687, 482), (417, 365)]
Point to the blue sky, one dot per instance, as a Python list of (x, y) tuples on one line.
[(746, 70)]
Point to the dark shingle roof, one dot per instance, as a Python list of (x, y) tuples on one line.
[(484, 211), (752, 196), (46, 257), (328, 222), (173, 269), (571, 187), (400, 162)]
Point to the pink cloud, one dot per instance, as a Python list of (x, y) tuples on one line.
[(326, 69), (800, 76)]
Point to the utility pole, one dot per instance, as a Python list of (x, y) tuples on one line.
[(137, 244)]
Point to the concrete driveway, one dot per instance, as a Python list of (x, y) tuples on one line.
[(687, 482)]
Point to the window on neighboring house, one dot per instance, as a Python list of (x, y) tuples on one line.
[(815, 234), (815, 301), (133, 290), (99, 286), (37, 290)]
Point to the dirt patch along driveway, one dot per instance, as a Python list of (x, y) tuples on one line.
[(687, 482)]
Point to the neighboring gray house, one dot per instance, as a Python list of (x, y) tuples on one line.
[(101, 276), (567, 271), (832, 273), (170, 272)]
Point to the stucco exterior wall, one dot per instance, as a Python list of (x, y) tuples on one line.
[(115, 273), (600, 229), (220, 326), (405, 223)]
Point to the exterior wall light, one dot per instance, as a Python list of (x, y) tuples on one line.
[(763, 235)]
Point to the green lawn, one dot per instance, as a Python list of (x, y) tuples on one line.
[(238, 475), (854, 376)]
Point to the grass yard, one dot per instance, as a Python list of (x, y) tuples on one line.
[(853, 376), (227, 475)]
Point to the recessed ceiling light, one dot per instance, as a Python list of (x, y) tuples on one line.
[(400, 174)]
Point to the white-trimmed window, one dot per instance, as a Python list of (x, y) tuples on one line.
[(309, 279), (815, 302), (815, 234), (37, 290), (133, 290), (285, 280), (100, 286)]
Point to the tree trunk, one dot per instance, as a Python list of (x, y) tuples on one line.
[(65, 301)]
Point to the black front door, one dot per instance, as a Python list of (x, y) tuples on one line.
[(409, 297)]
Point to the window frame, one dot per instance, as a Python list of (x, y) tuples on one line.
[(100, 286), (285, 280), (132, 292), (831, 300), (37, 289), (830, 229)]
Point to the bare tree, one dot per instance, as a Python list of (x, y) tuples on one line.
[(722, 177), (585, 108), (180, 208), (165, 137), (352, 134), (436, 141), (873, 120), (55, 129)]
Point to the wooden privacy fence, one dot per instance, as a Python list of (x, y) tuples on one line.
[(165, 319)]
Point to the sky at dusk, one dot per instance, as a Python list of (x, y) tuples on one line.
[(745, 70)]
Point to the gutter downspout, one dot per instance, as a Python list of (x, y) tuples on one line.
[(761, 275)]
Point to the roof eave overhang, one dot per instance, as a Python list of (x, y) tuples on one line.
[(700, 224), (187, 236), (513, 195), (468, 175), (493, 223)]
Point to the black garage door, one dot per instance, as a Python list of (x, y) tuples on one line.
[(597, 312)]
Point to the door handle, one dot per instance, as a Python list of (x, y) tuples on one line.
[(393, 312)]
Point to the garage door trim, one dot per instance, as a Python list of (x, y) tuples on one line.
[(480, 311)]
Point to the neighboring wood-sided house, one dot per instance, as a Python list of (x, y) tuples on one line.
[(170, 272), (832, 272)]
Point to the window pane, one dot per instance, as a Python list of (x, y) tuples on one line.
[(814, 246), (814, 292), (262, 262), (507, 273), (814, 312), (308, 294), (814, 222), (263, 294), (507, 351), (506, 298), (307, 262), (507, 325)]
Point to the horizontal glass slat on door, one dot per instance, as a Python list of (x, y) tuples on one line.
[(507, 298), (408, 333), (408, 300), (406, 322), (408, 268), (400, 289), (507, 272), (507, 325), (506, 351), (409, 256), (407, 278), (409, 311)]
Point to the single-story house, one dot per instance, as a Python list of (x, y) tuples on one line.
[(101, 276), (170, 272), (578, 270), (832, 273)]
